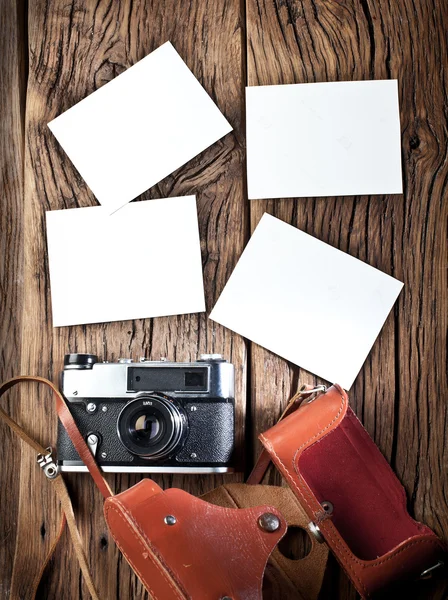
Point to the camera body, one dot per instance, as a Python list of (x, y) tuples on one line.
[(150, 416)]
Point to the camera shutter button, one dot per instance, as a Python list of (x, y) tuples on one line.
[(211, 357)]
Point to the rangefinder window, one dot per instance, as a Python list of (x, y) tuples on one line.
[(195, 380), (168, 379)]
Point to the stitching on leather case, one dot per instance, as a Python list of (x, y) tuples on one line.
[(387, 465), (145, 583), (378, 563), (267, 442), (289, 476), (295, 485), (164, 567), (351, 572), (395, 552), (147, 500), (306, 491), (303, 492), (253, 510), (351, 556), (326, 427), (119, 513)]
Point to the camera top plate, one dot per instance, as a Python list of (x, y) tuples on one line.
[(85, 377)]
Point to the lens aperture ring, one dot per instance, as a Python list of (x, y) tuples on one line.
[(171, 426)]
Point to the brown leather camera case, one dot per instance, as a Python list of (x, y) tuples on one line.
[(183, 547), (351, 495), (180, 547)]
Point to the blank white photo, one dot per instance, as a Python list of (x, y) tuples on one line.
[(323, 139), (306, 301), (143, 261), (139, 128)]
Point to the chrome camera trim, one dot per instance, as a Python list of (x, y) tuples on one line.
[(174, 470), (105, 379)]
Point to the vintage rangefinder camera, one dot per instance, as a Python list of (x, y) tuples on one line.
[(150, 416)]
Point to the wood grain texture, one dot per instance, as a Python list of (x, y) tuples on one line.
[(75, 47), (13, 72), (400, 394)]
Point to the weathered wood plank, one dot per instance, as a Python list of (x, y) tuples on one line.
[(75, 48), (400, 395), (292, 42), (399, 392), (13, 68), (420, 454)]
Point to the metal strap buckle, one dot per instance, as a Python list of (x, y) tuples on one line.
[(47, 464), (428, 573), (316, 532), (303, 396), (314, 393)]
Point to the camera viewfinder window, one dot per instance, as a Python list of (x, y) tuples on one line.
[(167, 379), (194, 379)]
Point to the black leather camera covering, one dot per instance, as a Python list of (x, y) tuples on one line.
[(210, 437)]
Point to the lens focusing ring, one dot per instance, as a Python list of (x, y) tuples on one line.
[(173, 423)]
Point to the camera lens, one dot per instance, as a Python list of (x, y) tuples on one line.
[(146, 427), (152, 427)]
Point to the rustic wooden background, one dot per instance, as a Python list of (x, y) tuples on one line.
[(52, 54)]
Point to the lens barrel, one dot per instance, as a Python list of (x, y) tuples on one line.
[(152, 427)]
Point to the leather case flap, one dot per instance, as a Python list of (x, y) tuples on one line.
[(350, 492), (285, 578), (209, 551)]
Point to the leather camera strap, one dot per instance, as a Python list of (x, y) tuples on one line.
[(57, 480), (67, 420), (305, 392)]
